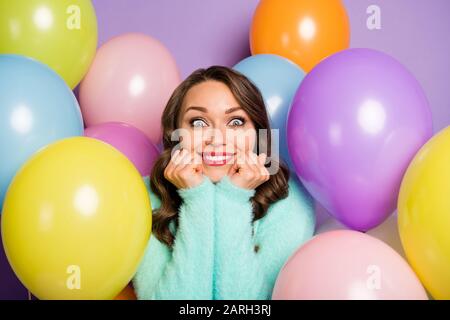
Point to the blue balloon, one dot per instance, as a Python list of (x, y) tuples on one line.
[(278, 79), (36, 109)]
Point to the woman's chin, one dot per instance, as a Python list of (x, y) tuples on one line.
[(215, 174)]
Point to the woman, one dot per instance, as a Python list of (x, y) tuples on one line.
[(225, 219)]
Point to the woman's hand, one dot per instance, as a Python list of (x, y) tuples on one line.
[(185, 169), (248, 171)]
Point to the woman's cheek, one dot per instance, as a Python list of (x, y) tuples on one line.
[(245, 139), (191, 140)]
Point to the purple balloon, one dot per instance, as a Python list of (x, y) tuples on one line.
[(356, 122), (129, 140), (416, 33)]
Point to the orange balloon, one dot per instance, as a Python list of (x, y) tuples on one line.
[(303, 31), (127, 294)]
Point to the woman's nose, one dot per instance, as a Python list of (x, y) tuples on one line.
[(215, 136)]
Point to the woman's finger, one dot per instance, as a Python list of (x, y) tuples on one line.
[(262, 159), (239, 161), (252, 163), (197, 162), (253, 158), (169, 168), (234, 166), (258, 166), (185, 165), (177, 158), (174, 158), (182, 161), (174, 155), (265, 173)]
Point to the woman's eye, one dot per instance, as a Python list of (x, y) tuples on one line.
[(237, 122), (198, 123)]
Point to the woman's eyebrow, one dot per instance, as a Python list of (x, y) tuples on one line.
[(232, 110), (202, 109)]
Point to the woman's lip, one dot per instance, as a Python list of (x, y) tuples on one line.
[(214, 153)]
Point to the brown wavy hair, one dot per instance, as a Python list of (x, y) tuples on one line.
[(250, 99)]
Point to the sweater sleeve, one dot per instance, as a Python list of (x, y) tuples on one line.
[(185, 271), (242, 273)]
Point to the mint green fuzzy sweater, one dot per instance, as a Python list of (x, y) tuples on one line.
[(214, 255)]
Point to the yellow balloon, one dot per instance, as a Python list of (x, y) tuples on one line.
[(61, 34), (76, 221), (424, 214)]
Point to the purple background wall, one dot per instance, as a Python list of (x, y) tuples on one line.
[(200, 33)]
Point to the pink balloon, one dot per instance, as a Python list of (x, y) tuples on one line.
[(344, 264), (132, 142), (130, 80)]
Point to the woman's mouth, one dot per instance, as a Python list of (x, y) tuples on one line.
[(217, 158)]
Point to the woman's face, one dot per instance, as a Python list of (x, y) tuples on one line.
[(214, 126)]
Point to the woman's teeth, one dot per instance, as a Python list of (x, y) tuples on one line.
[(215, 158)]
